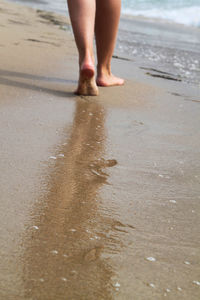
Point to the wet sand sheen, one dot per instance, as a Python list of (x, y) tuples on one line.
[(99, 197), (64, 254)]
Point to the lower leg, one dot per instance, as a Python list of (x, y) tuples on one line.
[(82, 15), (106, 27)]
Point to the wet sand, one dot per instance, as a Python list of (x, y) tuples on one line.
[(100, 196)]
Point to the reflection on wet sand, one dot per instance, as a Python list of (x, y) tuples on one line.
[(65, 247)]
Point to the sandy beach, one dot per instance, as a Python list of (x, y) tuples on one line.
[(100, 196)]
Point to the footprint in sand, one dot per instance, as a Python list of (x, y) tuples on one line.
[(93, 254)]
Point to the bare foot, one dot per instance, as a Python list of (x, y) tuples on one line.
[(87, 84), (109, 80)]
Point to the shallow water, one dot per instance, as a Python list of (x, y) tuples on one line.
[(182, 12), (169, 47)]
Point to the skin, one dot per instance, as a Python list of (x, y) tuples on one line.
[(99, 17)]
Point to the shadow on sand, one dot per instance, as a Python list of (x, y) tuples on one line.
[(6, 78)]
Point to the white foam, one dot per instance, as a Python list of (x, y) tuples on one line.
[(189, 16)]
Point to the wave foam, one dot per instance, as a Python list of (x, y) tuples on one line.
[(189, 16)]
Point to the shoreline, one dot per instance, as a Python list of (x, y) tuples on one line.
[(99, 195), (168, 46), (159, 21), (124, 14)]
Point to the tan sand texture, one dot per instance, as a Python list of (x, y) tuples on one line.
[(100, 196)]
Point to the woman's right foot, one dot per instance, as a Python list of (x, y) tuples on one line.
[(106, 78), (87, 83), (109, 80)]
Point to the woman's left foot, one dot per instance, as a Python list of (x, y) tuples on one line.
[(87, 84)]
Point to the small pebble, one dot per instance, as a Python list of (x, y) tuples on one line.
[(151, 258), (172, 201), (36, 227), (61, 155), (168, 290), (63, 279), (179, 288), (41, 279), (187, 262), (54, 252), (152, 285), (72, 230), (196, 282), (52, 157), (117, 284)]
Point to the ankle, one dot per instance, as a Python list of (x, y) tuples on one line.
[(104, 70), (87, 57)]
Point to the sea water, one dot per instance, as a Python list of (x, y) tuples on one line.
[(165, 34), (185, 12), (179, 11)]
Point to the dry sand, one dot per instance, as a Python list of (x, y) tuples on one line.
[(100, 197)]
